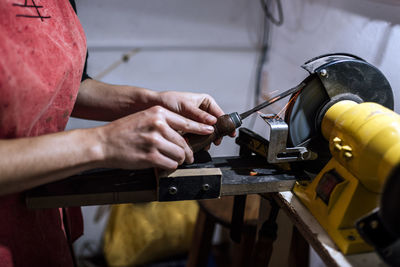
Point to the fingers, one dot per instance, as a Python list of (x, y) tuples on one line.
[(158, 160), (173, 152), (179, 123), (200, 107), (175, 146), (150, 138), (211, 106), (197, 114)]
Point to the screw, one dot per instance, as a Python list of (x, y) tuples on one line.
[(172, 190), (338, 147), (337, 140), (323, 73), (347, 155), (347, 148), (206, 187)]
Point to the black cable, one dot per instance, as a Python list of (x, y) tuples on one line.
[(265, 44), (262, 58), (277, 21)]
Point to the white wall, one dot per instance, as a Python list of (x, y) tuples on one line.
[(365, 28), (199, 46), (211, 46)]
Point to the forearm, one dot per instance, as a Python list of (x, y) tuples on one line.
[(29, 162), (100, 101)]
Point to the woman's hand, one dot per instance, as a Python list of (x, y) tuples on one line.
[(199, 107), (101, 101), (150, 138)]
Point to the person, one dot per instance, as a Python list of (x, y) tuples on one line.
[(42, 57)]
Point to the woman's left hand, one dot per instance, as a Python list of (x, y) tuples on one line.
[(198, 107)]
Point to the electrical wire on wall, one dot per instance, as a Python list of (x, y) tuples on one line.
[(125, 58), (262, 57), (277, 21), (267, 20)]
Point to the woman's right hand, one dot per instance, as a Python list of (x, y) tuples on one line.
[(149, 138)]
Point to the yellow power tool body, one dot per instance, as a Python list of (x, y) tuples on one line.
[(364, 140), (342, 117)]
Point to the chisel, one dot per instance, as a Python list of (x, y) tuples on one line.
[(227, 123)]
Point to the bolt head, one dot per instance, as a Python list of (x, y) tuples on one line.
[(337, 140), (206, 187), (338, 147), (323, 73), (348, 155), (172, 190)]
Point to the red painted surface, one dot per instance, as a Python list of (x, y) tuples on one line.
[(42, 52)]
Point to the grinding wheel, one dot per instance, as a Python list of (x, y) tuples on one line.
[(333, 78), (301, 116)]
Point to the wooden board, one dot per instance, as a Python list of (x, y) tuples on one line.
[(316, 236)]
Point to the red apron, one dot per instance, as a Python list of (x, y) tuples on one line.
[(42, 54)]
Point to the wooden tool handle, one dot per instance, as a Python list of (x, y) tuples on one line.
[(224, 126)]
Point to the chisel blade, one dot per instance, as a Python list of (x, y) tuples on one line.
[(272, 100)]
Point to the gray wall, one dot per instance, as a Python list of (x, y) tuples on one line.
[(212, 46)]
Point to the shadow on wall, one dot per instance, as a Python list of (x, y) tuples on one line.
[(385, 10)]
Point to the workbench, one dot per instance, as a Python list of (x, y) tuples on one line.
[(316, 236)]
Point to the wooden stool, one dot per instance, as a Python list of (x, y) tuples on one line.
[(219, 211)]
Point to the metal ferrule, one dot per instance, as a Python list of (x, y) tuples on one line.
[(235, 117)]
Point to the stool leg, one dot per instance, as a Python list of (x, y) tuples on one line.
[(242, 252), (266, 238), (299, 250), (239, 206), (201, 242)]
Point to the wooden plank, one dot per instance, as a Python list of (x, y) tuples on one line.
[(190, 172), (317, 237), (189, 184), (96, 187), (112, 186)]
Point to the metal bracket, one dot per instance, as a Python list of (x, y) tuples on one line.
[(278, 151)]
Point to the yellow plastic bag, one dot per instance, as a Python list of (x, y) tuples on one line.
[(141, 233)]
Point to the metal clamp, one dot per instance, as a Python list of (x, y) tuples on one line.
[(278, 151)]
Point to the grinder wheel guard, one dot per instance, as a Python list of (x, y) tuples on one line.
[(332, 78)]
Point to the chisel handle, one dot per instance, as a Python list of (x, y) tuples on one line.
[(225, 125)]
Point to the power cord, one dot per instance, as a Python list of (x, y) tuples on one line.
[(277, 21), (265, 46)]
